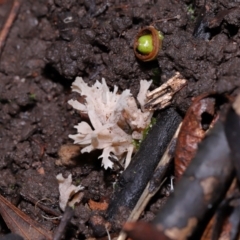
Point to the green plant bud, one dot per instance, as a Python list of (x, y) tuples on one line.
[(160, 35), (145, 45)]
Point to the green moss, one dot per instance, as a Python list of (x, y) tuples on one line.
[(160, 35), (191, 12), (137, 143), (32, 96), (78, 181), (12, 186)]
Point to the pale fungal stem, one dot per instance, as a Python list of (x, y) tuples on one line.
[(171, 181), (109, 237), (161, 97)]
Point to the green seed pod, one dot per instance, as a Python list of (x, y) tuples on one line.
[(147, 44)]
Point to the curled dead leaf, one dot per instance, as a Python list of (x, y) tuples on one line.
[(97, 205)]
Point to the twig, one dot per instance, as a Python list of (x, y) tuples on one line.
[(152, 188), (101, 10), (67, 216), (134, 179), (168, 19), (43, 207), (8, 24), (200, 188)]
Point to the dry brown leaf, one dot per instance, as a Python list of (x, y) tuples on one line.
[(41, 171), (192, 131), (97, 205), (18, 222)]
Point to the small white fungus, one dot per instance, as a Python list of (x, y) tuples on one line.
[(115, 118), (67, 190)]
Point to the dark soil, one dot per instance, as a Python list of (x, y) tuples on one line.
[(52, 42)]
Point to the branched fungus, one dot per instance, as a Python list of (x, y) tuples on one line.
[(115, 118)]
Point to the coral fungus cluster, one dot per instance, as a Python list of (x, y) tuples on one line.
[(116, 120)]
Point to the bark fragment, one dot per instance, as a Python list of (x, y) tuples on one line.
[(161, 97), (194, 194), (232, 128), (140, 230)]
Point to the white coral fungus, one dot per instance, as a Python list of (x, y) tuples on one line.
[(116, 120), (67, 190)]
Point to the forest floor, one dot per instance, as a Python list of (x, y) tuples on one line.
[(45, 51)]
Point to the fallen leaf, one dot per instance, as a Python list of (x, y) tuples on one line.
[(201, 112), (19, 223), (97, 205)]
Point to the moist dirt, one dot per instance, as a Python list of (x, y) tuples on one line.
[(52, 42)]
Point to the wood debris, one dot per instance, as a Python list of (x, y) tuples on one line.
[(161, 97), (8, 24)]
